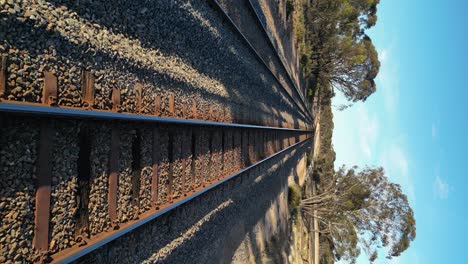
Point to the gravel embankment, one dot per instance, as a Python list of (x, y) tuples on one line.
[(246, 20), (125, 207), (183, 48), (146, 164), (228, 154), (237, 162), (163, 167), (215, 163), (202, 157), (187, 159), (18, 155), (273, 16), (176, 182), (63, 202), (99, 219)]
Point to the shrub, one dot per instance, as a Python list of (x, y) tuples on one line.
[(294, 199)]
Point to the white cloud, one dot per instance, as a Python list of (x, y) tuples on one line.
[(395, 156), (355, 134), (441, 188), (401, 161), (388, 80), (368, 131), (397, 166), (383, 55)]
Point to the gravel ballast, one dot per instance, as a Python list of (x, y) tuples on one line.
[(99, 219), (64, 186), (186, 50), (18, 155)]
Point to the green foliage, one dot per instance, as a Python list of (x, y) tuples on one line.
[(296, 9), (363, 209), (294, 199), (324, 165), (289, 7), (299, 28), (326, 251), (335, 50)]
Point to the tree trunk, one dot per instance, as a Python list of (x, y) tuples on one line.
[(316, 228)]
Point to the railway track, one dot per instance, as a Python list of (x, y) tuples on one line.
[(167, 163), (293, 93), (82, 165)]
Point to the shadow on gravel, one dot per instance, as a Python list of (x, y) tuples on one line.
[(69, 51), (191, 31)]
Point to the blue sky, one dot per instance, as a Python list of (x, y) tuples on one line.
[(415, 125)]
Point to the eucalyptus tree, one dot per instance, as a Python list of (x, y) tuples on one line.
[(338, 51), (362, 209)]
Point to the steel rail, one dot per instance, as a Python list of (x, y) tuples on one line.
[(65, 112), (304, 111), (72, 256), (270, 41)]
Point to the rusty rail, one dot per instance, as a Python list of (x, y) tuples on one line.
[(28, 109), (50, 104), (50, 97)]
